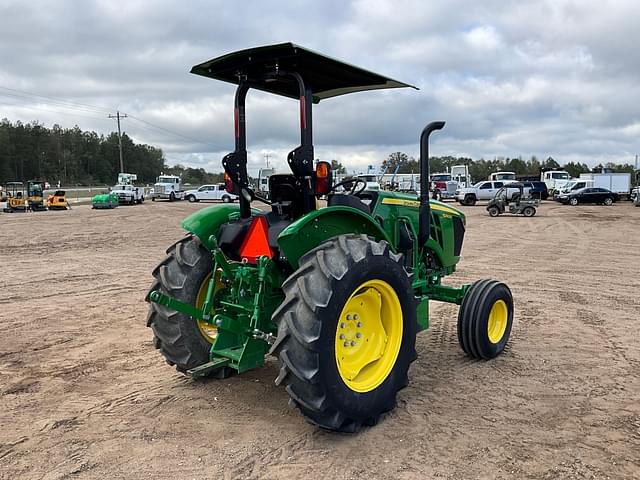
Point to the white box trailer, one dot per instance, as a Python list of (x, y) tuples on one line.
[(619, 183)]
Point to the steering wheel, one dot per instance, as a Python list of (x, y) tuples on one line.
[(354, 190)]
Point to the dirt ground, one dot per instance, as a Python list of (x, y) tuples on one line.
[(83, 393)]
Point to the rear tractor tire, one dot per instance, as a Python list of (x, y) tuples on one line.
[(485, 318), (346, 332), (184, 274)]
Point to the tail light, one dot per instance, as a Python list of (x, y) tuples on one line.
[(324, 180), (228, 183)]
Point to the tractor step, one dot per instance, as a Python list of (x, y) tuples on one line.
[(208, 368)]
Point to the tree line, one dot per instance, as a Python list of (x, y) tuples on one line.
[(481, 169), (71, 156), (194, 176)]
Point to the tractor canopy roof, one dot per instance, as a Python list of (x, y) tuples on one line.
[(325, 76)]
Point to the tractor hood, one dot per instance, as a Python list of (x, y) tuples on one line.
[(325, 76)]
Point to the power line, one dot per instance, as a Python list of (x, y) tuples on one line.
[(57, 100), (86, 108), (186, 137), (25, 107)]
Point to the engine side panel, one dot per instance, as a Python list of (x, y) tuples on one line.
[(447, 223)]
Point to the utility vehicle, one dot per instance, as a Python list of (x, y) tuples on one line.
[(336, 293), (514, 203), (128, 194)]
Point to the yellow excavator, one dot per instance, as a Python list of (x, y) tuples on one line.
[(16, 198), (22, 198)]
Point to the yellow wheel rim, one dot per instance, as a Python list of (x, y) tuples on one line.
[(368, 336), (498, 319), (208, 331)]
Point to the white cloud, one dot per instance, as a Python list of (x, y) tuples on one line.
[(554, 77)]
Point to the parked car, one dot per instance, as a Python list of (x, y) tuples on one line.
[(484, 190), (210, 192), (589, 195), (536, 189)]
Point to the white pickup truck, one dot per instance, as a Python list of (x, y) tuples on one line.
[(485, 190), (128, 194), (210, 192)]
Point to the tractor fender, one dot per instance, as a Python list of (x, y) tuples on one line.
[(207, 221), (318, 226)]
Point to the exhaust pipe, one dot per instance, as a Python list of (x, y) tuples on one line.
[(425, 209)]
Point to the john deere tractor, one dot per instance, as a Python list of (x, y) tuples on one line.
[(338, 293)]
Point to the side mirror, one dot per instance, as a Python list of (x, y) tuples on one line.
[(324, 178)]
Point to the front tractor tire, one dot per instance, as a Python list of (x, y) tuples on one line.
[(184, 274), (485, 318), (346, 332)]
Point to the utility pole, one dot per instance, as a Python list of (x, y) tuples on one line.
[(267, 157), (119, 116)]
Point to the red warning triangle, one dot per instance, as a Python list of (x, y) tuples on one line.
[(256, 243)]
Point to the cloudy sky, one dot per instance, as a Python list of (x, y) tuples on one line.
[(556, 77)]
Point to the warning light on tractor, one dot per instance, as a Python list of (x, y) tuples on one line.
[(323, 178), (228, 183)]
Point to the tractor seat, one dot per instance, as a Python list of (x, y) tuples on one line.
[(286, 195), (340, 199)]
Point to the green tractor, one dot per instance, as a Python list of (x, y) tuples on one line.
[(338, 293)]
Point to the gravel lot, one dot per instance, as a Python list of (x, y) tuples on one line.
[(83, 393)]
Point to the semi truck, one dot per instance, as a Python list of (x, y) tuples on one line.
[(167, 187), (460, 174), (555, 179), (502, 176), (445, 185), (263, 181)]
